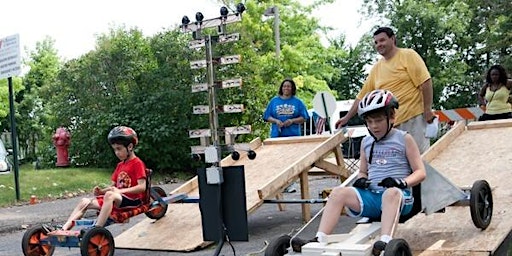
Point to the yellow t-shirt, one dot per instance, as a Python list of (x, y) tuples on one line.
[(497, 101), (402, 75)]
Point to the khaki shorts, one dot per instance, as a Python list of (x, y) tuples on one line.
[(416, 127)]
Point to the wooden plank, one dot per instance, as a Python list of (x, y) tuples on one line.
[(478, 154), (303, 162), (304, 192), (331, 168), (444, 142), (185, 219), (302, 139), (490, 124)]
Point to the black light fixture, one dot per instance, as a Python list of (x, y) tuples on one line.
[(185, 20), (224, 11), (199, 17), (240, 8)]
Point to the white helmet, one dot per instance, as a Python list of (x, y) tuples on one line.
[(376, 99)]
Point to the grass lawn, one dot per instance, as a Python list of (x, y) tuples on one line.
[(51, 184)]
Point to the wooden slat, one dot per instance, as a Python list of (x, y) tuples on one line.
[(474, 154), (185, 219), (490, 124), (331, 168), (444, 141), (300, 163)]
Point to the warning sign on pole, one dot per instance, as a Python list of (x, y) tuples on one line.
[(10, 58)]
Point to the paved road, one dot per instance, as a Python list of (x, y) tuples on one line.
[(266, 223)]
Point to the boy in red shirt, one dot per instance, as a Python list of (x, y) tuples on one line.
[(128, 186)]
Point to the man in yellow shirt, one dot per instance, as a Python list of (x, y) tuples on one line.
[(403, 72)]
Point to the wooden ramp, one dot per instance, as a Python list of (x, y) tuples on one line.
[(478, 151), (278, 163)]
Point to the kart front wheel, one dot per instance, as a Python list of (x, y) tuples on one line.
[(97, 241), (31, 242), (397, 247), (279, 246)]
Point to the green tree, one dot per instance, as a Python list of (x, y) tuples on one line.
[(146, 83), (457, 39), (32, 114), (350, 63)]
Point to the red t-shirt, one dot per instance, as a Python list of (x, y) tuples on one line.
[(126, 175)]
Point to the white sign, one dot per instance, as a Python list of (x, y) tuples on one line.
[(322, 102), (10, 58)]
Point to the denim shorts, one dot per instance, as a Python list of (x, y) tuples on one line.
[(371, 203)]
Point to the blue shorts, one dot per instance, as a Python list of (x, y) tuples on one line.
[(371, 203)]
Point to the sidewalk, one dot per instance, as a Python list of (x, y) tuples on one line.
[(20, 217)]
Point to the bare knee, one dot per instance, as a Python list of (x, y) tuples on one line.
[(339, 194), (110, 196), (84, 203), (394, 194)]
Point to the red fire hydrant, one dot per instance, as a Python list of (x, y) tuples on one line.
[(62, 140)]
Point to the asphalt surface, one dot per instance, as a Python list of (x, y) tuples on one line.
[(264, 224)]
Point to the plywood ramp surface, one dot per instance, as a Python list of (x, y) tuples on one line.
[(475, 154), (180, 229)]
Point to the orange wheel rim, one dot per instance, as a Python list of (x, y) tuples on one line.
[(99, 245), (157, 210), (35, 247)]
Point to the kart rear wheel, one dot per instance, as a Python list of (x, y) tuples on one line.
[(279, 246), (31, 242), (397, 247), (157, 211), (480, 204), (97, 241)]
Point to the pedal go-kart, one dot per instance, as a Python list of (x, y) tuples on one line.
[(359, 242), (92, 240)]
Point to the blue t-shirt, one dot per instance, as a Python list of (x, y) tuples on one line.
[(284, 109)]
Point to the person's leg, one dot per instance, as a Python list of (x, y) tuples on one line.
[(339, 198), (395, 202), (391, 206), (417, 126), (109, 199), (79, 211)]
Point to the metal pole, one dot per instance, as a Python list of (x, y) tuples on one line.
[(213, 116), (13, 139), (277, 22), (327, 117)]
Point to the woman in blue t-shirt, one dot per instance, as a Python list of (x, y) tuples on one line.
[(286, 112)]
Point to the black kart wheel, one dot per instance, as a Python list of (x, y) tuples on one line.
[(31, 242), (480, 204), (235, 155), (279, 246), (157, 211), (97, 241), (397, 247)]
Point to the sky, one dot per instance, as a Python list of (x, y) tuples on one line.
[(75, 24)]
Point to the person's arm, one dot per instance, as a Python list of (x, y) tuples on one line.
[(363, 165), (428, 95), (139, 188), (351, 113), (481, 96), (296, 120), (100, 190), (415, 161)]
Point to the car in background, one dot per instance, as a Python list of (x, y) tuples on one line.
[(5, 166), (354, 128)]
